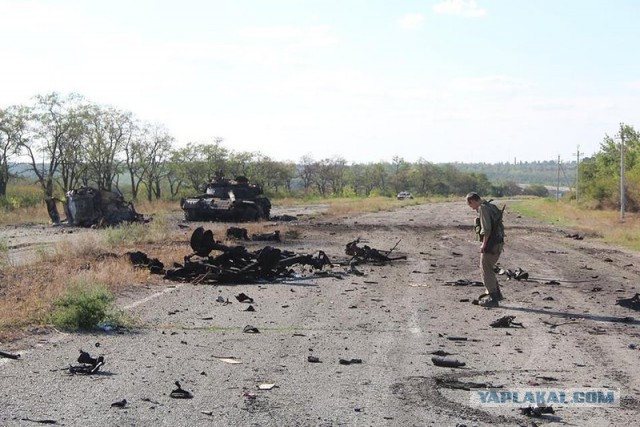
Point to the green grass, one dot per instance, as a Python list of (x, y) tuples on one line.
[(4, 253), (601, 224), (85, 306)]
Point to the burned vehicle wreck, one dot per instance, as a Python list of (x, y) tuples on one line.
[(228, 200), (88, 207)]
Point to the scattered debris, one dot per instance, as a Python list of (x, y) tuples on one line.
[(518, 274), (9, 355), (266, 386), (269, 237), (464, 282), (313, 359), (250, 308), (447, 363), (536, 411), (349, 361), (505, 322), (250, 330), (237, 233), (230, 360), (39, 421), (242, 297), (366, 253), (633, 303), (88, 365), (179, 393), (236, 264), (575, 236), (120, 404), (141, 260)]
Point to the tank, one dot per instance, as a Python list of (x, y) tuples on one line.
[(228, 200)]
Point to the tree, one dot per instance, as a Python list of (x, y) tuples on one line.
[(159, 150), (13, 134), (107, 133), (400, 177), (306, 171), (56, 131)]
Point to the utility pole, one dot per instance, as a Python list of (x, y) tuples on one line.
[(558, 181), (621, 172), (577, 171)]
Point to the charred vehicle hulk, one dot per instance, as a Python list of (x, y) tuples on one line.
[(228, 200)]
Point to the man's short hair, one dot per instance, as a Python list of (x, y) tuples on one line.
[(473, 196)]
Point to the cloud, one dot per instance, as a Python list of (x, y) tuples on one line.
[(411, 21), (466, 8)]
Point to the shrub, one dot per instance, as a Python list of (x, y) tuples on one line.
[(83, 307)]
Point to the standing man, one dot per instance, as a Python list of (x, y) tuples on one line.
[(490, 231)]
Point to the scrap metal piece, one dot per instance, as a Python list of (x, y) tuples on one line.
[(367, 253), (633, 303), (505, 322), (89, 365), (180, 393), (536, 411), (9, 355), (447, 363)]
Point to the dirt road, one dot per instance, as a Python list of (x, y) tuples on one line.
[(392, 318)]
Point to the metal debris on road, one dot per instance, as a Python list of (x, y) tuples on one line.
[(633, 303), (349, 361), (119, 404), (242, 297), (366, 253), (447, 363), (266, 386), (180, 393), (536, 411), (236, 264), (230, 360), (9, 355), (88, 365), (505, 322)]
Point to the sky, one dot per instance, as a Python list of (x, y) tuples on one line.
[(361, 80)]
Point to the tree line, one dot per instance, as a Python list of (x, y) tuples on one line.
[(70, 142), (600, 174)]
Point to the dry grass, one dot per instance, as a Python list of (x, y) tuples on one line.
[(606, 225), (353, 206), (27, 292), (32, 214)]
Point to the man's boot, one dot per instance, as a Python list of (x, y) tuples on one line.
[(498, 295), (491, 301)]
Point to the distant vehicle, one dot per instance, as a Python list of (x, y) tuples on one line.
[(404, 195), (228, 200)]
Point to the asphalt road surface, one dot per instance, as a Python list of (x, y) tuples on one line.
[(392, 318)]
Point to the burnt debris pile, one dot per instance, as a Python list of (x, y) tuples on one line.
[(236, 264)]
